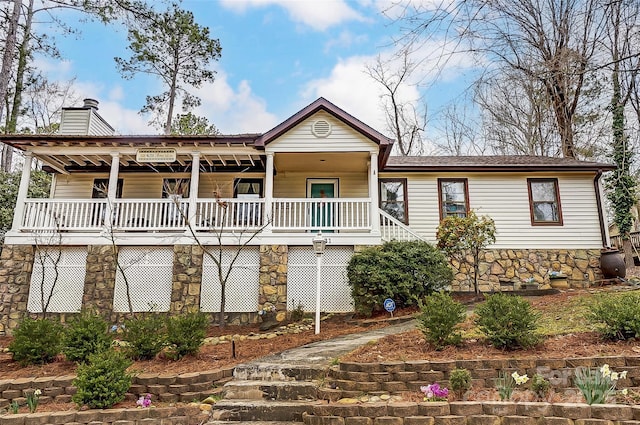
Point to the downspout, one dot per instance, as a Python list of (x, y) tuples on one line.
[(603, 230)]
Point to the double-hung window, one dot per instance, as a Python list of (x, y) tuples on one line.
[(453, 196), (544, 202), (393, 198)]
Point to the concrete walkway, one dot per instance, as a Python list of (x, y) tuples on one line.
[(322, 353)]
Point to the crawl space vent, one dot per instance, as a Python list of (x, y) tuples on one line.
[(321, 128)]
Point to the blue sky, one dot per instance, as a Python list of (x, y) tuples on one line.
[(277, 57)]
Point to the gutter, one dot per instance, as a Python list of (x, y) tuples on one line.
[(603, 230)]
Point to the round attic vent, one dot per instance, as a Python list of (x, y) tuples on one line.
[(321, 128)]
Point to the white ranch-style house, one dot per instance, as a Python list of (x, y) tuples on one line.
[(161, 199)]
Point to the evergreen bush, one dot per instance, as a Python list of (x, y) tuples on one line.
[(36, 341), (85, 335), (402, 271), (103, 381), (460, 381), (439, 316), (508, 322), (186, 333), (145, 336), (617, 316)]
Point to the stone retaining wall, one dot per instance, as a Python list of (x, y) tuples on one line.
[(180, 415), (185, 387), (473, 413), (509, 268), (352, 379)]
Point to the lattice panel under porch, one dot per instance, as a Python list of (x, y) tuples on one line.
[(69, 286), (149, 273), (242, 285), (335, 294)]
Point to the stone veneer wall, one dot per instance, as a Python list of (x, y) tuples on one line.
[(187, 278), (100, 280), (16, 262), (274, 261), (509, 268)]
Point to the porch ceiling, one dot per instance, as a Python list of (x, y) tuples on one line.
[(69, 161), (322, 162)]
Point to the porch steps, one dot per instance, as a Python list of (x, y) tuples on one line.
[(268, 394)]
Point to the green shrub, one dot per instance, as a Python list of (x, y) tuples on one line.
[(85, 335), (103, 381), (36, 341), (403, 271), (540, 386), (617, 316), (508, 322), (145, 336), (460, 381), (440, 315), (185, 334)]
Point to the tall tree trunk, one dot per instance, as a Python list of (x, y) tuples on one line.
[(23, 54), (9, 50), (7, 61)]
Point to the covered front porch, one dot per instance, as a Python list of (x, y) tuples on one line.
[(272, 212)]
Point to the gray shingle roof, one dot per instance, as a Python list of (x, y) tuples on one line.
[(490, 163)]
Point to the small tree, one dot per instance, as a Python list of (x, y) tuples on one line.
[(458, 236)]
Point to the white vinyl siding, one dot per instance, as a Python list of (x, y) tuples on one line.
[(294, 185), (342, 138), (504, 197)]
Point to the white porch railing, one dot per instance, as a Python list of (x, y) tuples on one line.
[(287, 214), (229, 214), (393, 229), (315, 214), (53, 214)]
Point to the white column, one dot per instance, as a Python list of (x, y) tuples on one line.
[(373, 193), (23, 190), (268, 193), (112, 189), (193, 188), (318, 280)]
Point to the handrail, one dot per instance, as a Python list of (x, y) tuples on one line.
[(393, 229)]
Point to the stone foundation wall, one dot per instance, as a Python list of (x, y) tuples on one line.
[(100, 279), (187, 278), (274, 260), (502, 269), (16, 263)]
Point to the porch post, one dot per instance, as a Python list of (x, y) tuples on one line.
[(23, 191), (112, 189), (373, 193), (268, 193), (193, 188)]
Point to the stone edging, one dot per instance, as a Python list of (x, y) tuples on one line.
[(183, 415), (352, 379), (472, 413), (185, 387)]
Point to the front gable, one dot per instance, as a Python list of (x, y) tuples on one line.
[(321, 132)]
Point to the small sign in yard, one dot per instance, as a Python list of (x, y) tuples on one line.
[(389, 305)]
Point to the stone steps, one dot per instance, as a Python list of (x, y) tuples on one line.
[(278, 372), (270, 390), (260, 410), (253, 423)]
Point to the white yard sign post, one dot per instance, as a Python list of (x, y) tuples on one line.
[(319, 244)]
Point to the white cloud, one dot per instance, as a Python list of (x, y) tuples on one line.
[(345, 39), (318, 15), (234, 110)]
